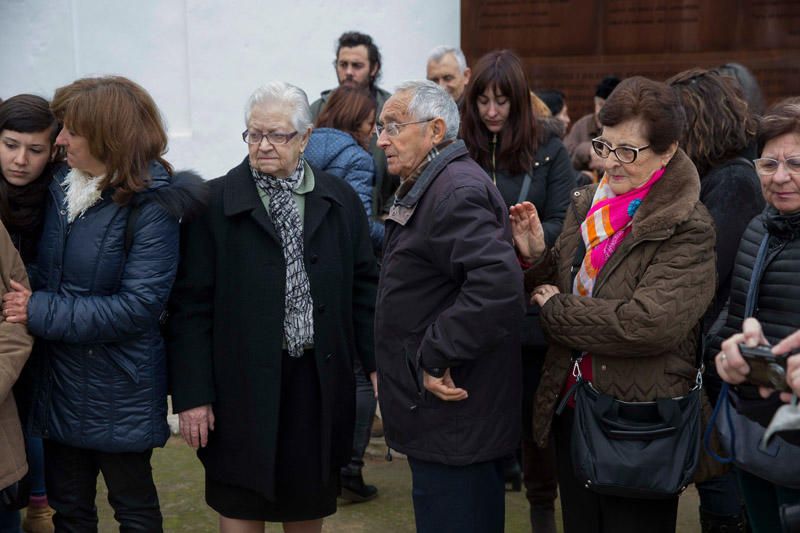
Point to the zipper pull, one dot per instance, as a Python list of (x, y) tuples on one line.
[(388, 454)]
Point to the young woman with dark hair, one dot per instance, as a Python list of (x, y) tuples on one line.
[(28, 131), (106, 261), (525, 158)]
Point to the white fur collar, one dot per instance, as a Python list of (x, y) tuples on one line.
[(82, 193)]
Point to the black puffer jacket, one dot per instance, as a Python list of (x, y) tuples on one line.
[(777, 296), (550, 181), (732, 194)]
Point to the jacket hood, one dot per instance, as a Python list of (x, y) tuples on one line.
[(184, 195), (326, 144), (549, 127)]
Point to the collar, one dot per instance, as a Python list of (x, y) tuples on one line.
[(786, 227), (403, 208)]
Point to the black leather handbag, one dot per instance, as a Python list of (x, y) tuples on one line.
[(635, 449)]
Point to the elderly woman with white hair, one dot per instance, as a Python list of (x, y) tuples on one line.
[(274, 300)]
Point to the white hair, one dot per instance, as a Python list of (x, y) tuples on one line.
[(284, 95), (439, 52), (428, 100)]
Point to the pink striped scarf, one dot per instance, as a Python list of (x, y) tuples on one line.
[(606, 225)]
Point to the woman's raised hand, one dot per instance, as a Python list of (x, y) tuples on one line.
[(527, 231)]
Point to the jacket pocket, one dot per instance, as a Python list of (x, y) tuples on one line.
[(122, 363)]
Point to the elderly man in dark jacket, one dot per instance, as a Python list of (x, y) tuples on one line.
[(450, 305)]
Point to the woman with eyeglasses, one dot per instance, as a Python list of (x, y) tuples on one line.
[(274, 301), (766, 286), (625, 286), (523, 155), (719, 145)]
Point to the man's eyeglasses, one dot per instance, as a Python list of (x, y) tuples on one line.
[(624, 154), (255, 137), (766, 166), (392, 129)]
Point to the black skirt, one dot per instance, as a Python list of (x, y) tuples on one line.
[(299, 490)]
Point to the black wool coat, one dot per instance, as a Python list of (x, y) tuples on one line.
[(226, 322)]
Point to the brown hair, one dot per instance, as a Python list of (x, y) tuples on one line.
[(346, 108), (123, 126), (719, 122), (503, 72), (654, 103), (780, 119)]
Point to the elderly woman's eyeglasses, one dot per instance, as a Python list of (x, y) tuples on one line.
[(255, 137), (766, 166), (624, 154), (392, 129)]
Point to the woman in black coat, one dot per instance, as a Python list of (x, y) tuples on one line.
[(718, 143), (274, 300)]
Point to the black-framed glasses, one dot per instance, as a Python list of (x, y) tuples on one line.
[(766, 166), (273, 137), (392, 129), (624, 154)]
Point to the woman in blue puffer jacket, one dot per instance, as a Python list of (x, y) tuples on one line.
[(107, 259), (339, 145)]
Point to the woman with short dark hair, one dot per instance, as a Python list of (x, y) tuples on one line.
[(106, 263), (643, 249)]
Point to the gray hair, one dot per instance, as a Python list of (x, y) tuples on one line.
[(284, 95), (439, 52), (428, 100)]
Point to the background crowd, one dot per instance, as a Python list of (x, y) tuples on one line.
[(459, 251)]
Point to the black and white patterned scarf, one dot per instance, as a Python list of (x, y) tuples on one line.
[(298, 321)]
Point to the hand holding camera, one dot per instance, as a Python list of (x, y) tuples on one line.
[(766, 368)]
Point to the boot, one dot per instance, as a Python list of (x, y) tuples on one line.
[(38, 519), (355, 490), (715, 523), (543, 520), (512, 473)]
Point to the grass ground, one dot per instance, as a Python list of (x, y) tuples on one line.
[(179, 477)]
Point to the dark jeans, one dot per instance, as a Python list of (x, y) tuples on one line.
[(71, 476), (762, 500), (584, 511), (458, 499), (365, 413), (35, 451), (538, 464), (721, 495), (9, 521)]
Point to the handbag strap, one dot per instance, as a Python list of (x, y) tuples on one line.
[(526, 187)]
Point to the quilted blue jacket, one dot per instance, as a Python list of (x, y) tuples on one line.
[(100, 370), (337, 153)]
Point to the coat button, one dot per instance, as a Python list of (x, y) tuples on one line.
[(603, 368), (63, 212), (536, 164), (90, 351), (412, 407), (576, 194), (329, 356), (314, 259), (547, 158)]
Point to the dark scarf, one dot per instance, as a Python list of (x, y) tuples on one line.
[(22, 212), (298, 320)]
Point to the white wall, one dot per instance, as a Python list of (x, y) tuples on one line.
[(201, 59)]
